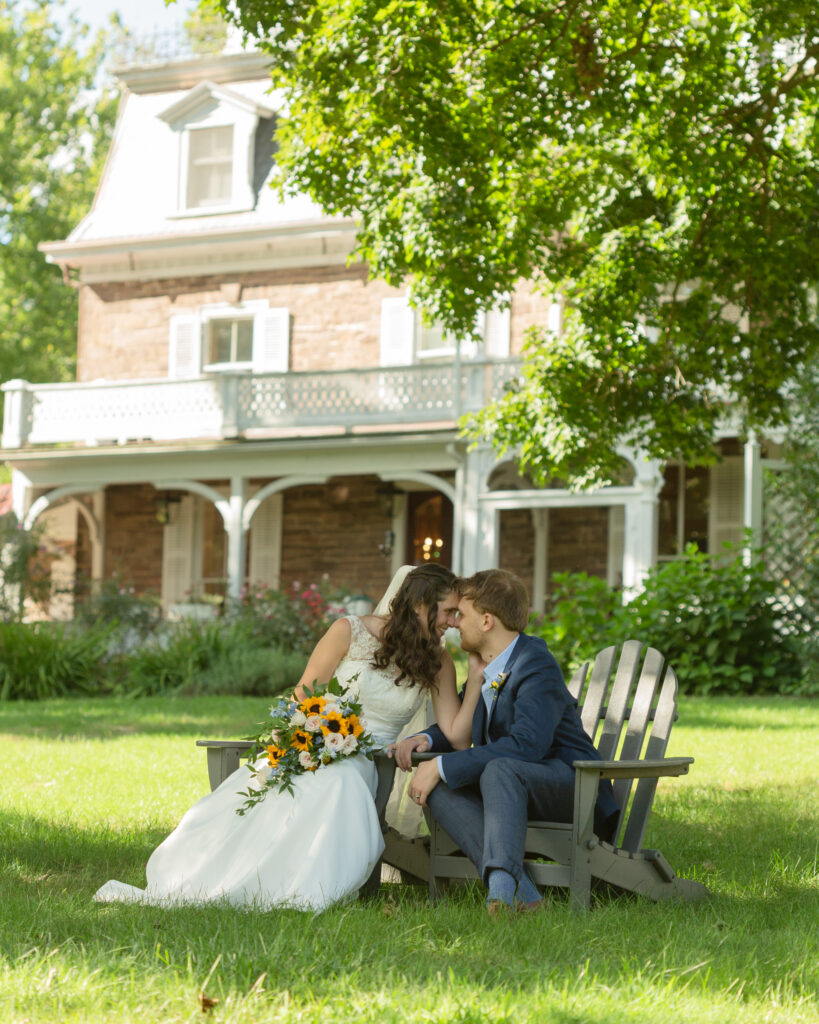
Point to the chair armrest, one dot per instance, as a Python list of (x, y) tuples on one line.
[(223, 758), (636, 769), (226, 744)]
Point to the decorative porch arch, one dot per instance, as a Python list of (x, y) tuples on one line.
[(237, 513)]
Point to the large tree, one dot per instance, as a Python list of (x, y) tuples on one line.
[(655, 162), (55, 121)]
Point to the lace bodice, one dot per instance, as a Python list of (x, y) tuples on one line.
[(386, 707)]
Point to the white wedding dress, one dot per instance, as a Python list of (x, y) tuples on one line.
[(308, 850)]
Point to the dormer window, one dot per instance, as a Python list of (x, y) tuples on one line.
[(215, 129), (210, 167)]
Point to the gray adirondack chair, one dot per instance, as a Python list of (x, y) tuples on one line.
[(632, 727)]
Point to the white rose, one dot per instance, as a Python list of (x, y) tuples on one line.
[(330, 705), (259, 778), (298, 719), (350, 744), (312, 723), (305, 760), (334, 742)]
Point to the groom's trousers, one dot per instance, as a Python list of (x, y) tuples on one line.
[(488, 820)]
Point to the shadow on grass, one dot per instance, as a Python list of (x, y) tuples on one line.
[(760, 856)]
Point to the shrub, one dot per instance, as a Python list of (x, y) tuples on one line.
[(48, 659), (212, 657), (25, 576), (714, 618), (174, 661), (249, 671), (114, 602), (292, 620)]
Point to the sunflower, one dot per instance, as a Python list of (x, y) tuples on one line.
[(312, 705), (352, 726), (301, 740), (274, 753), (333, 722)]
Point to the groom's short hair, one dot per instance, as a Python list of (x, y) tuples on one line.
[(500, 593)]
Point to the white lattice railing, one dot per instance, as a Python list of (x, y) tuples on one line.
[(228, 404)]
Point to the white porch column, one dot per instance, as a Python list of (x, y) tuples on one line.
[(98, 541), (540, 524), (752, 495), (236, 537), (20, 494), (640, 541), (474, 522), (15, 413)]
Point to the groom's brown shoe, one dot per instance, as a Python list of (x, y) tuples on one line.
[(531, 908), (497, 908)]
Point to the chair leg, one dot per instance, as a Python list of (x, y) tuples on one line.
[(583, 839)]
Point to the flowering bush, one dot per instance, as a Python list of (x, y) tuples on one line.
[(293, 619), (305, 737)]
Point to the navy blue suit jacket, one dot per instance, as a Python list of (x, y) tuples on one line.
[(533, 718)]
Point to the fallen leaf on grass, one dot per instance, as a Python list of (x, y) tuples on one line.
[(206, 1004)]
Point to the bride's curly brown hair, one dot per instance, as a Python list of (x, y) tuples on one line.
[(403, 642)]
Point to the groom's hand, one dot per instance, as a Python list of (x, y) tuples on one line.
[(425, 779), (403, 751)]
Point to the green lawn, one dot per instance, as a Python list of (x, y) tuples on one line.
[(89, 787)]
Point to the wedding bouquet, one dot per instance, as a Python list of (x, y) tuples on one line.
[(305, 736)]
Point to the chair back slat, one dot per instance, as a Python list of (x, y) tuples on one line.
[(595, 697), (664, 714), (639, 717), (619, 699), (575, 684)]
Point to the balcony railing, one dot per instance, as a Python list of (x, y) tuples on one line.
[(239, 404)]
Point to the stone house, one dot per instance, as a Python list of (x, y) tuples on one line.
[(251, 408)]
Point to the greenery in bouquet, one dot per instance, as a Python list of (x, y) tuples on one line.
[(304, 737)]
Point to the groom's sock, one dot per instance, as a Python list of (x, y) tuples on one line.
[(501, 886), (527, 893)]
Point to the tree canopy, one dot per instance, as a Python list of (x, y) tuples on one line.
[(653, 163), (55, 121)]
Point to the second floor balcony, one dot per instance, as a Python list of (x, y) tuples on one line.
[(244, 404)]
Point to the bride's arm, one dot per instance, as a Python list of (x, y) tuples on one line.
[(454, 715), (325, 659)]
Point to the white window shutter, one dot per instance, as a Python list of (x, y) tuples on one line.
[(185, 346), (266, 543), (725, 505), (397, 332), (271, 341), (178, 552), (496, 333)]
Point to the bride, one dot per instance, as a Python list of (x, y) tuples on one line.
[(317, 846)]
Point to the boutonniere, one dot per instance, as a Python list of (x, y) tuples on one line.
[(497, 683)]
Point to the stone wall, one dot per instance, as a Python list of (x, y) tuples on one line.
[(335, 316)]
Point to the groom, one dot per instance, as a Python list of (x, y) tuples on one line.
[(526, 733)]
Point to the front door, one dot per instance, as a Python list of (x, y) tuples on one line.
[(429, 528)]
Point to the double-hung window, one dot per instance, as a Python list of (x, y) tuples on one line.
[(229, 336), (210, 167)]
